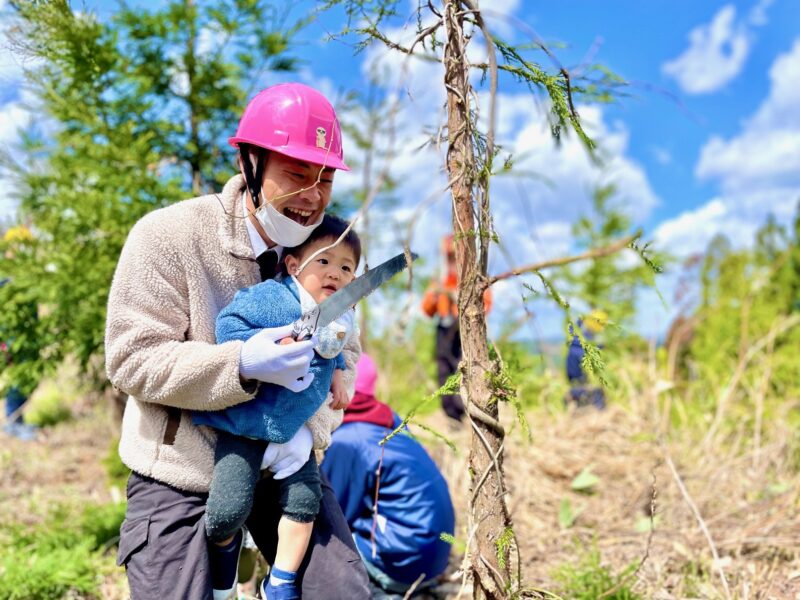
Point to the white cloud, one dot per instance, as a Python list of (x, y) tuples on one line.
[(757, 170), (12, 116), (10, 68), (767, 150), (716, 54), (662, 155), (499, 16), (10, 64), (758, 14), (533, 210), (692, 229)]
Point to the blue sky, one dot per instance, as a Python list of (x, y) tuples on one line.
[(707, 141)]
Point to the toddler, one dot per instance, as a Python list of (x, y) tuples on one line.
[(250, 434)]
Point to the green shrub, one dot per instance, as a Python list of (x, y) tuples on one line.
[(589, 580), (65, 555), (50, 574), (48, 406), (116, 470), (406, 369)]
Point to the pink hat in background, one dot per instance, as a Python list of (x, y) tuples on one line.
[(366, 375)]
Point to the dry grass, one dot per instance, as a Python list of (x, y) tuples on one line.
[(748, 506), (746, 496)]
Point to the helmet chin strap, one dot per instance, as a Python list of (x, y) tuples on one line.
[(248, 154)]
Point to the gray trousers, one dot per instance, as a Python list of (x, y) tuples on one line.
[(164, 549)]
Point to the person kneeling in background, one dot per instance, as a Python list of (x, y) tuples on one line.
[(414, 504)]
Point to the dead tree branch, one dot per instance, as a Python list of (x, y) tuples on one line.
[(559, 262)]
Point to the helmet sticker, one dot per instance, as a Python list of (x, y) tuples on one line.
[(321, 137)]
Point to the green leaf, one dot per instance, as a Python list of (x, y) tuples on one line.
[(645, 524), (585, 481), (567, 515)]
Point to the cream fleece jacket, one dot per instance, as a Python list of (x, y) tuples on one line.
[(179, 267)]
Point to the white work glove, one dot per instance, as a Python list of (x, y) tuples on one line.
[(262, 358), (286, 459)]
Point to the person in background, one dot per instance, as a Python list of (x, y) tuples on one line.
[(15, 426), (581, 393), (401, 545), (440, 302), (16, 394)]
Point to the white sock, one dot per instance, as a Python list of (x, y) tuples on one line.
[(280, 577)]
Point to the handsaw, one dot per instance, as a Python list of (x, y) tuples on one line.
[(342, 300)]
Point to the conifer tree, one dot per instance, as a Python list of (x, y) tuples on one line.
[(131, 115)]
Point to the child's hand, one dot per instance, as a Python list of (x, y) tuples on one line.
[(339, 392), (340, 399)]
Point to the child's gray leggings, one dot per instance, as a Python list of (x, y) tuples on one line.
[(237, 469)]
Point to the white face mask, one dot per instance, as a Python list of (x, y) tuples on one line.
[(281, 229)]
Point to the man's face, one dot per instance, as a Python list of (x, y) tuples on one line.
[(291, 186), (327, 272)]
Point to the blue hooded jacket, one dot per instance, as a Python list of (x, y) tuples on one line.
[(414, 505), (276, 413)]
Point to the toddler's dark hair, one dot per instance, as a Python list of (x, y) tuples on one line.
[(330, 229)]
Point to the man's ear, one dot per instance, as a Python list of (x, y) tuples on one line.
[(291, 264)]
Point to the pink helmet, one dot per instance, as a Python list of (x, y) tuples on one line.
[(366, 375), (295, 120)]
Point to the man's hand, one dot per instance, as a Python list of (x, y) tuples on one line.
[(339, 391), (285, 459), (264, 359)]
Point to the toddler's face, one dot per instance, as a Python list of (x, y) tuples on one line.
[(328, 272)]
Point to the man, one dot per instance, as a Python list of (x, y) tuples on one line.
[(580, 392), (440, 302), (179, 267), (27, 315), (401, 545)]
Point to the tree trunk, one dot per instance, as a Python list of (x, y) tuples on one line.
[(489, 521)]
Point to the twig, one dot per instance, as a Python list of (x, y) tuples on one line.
[(413, 587), (760, 394), (375, 504), (717, 564), (481, 416), (558, 262), (502, 487), (465, 560), (486, 472), (373, 31), (631, 575)]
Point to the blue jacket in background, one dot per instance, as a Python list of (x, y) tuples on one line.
[(575, 373), (575, 354), (414, 504), (276, 413)]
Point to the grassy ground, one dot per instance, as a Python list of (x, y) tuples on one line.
[(581, 493)]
